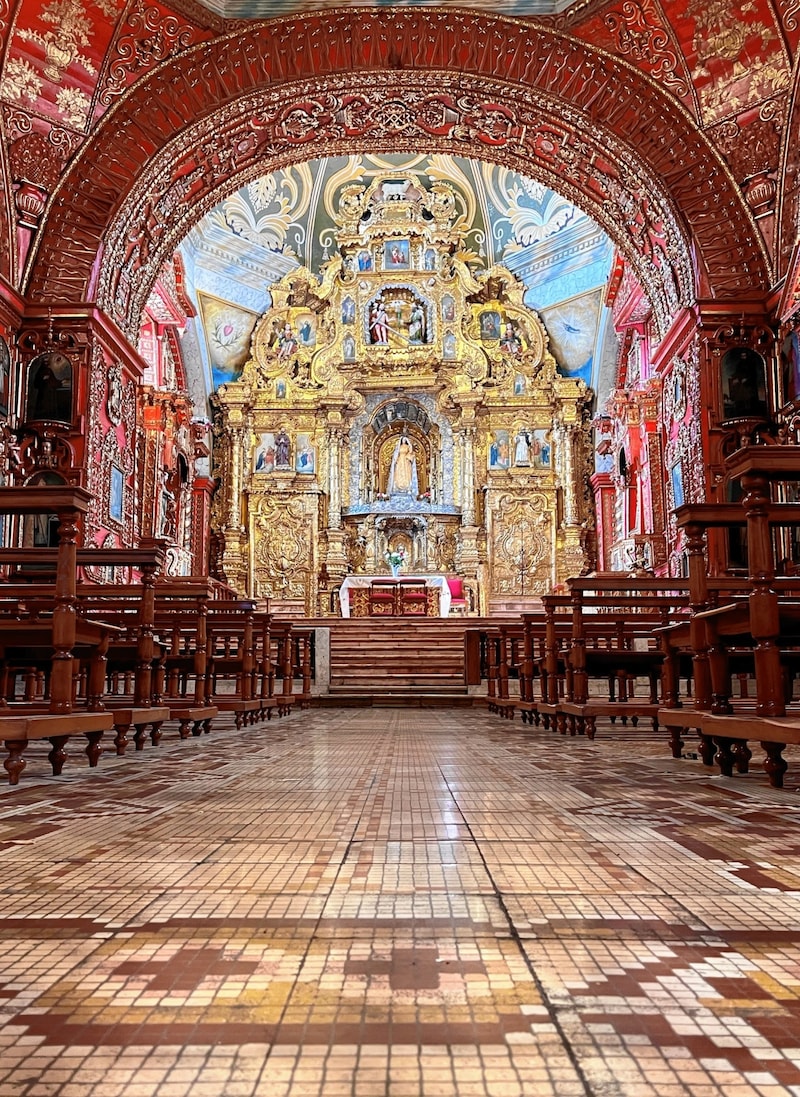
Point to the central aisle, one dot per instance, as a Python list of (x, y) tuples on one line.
[(399, 903)]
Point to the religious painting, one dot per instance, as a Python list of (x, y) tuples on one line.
[(287, 343), (348, 311), (396, 255), (573, 326), (5, 375), (541, 450), (449, 346), (676, 480), (398, 318), (500, 450), (264, 455), (744, 388), (116, 483), (448, 308), (511, 340), (490, 325), (430, 259), (304, 457), (280, 389), (306, 325), (227, 328), (349, 349), (790, 363), (50, 388), (364, 260), (519, 385)]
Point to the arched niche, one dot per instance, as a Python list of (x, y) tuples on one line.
[(374, 436), (743, 374), (49, 389), (41, 530), (394, 421)]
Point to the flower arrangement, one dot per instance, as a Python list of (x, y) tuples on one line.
[(395, 558)]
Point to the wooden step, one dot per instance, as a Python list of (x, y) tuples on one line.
[(401, 660)]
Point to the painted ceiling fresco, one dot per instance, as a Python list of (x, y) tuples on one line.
[(284, 220)]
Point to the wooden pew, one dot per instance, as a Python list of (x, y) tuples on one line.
[(612, 622), (764, 623), (181, 617), (126, 687), (19, 726), (231, 676)]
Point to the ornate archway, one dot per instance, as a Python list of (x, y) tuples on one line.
[(260, 98)]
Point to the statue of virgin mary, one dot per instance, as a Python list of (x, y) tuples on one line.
[(403, 472)]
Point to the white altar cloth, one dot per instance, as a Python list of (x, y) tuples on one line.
[(356, 582)]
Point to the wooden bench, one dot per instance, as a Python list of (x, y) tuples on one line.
[(18, 730)]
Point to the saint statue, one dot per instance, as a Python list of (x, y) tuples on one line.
[(403, 473)]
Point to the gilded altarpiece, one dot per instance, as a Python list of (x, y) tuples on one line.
[(400, 399)]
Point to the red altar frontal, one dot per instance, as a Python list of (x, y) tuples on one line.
[(385, 596)]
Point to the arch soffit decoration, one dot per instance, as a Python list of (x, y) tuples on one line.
[(789, 182), (579, 120)]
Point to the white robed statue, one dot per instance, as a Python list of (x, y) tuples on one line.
[(403, 472)]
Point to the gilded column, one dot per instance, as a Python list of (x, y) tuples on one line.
[(334, 478), (468, 475)]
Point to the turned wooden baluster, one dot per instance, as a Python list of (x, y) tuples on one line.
[(201, 683), (502, 665), (698, 601), (550, 686), (577, 652), (145, 648), (491, 667), (526, 668), (764, 617), (267, 668), (64, 614), (306, 664), (248, 661), (286, 662)]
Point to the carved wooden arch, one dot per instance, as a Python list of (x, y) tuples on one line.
[(337, 82), (788, 188)]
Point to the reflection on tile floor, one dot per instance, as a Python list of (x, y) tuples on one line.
[(399, 903)]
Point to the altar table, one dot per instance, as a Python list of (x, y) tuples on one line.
[(362, 582)]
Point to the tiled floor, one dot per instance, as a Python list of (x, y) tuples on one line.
[(399, 903)]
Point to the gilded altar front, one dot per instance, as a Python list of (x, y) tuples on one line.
[(404, 401)]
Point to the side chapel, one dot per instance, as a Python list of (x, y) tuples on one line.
[(400, 401)]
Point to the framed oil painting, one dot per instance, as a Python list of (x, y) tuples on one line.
[(264, 454), (116, 485), (490, 326), (5, 375), (396, 255), (541, 449), (744, 387), (500, 450), (50, 388), (676, 480), (304, 455)]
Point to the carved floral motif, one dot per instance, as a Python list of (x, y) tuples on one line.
[(625, 200), (609, 110), (640, 36), (147, 37)]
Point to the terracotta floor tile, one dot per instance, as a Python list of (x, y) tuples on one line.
[(400, 903)]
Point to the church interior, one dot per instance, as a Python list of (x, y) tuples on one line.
[(399, 548)]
